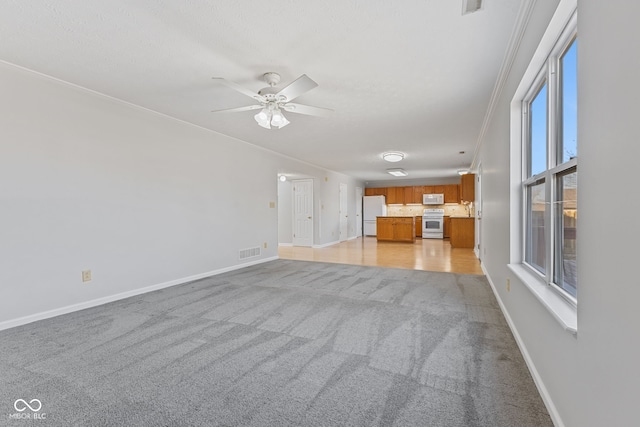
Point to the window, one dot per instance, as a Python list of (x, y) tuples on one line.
[(544, 170), (549, 179)]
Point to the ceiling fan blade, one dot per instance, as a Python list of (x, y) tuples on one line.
[(236, 110), (296, 88), (307, 109), (240, 89)]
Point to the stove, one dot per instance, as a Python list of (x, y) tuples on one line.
[(433, 224)]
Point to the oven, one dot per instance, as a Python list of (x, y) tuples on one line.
[(433, 224)]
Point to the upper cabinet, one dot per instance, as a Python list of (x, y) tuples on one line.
[(395, 196), (452, 193), (410, 196), (375, 192), (413, 194), (468, 187)]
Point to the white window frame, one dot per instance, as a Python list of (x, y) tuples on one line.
[(560, 33)]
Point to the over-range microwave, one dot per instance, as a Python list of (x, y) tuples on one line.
[(433, 199)]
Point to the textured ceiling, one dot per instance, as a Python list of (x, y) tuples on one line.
[(403, 75)]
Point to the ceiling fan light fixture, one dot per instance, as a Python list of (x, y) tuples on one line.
[(284, 122), (278, 119), (397, 172), (263, 118), (273, 100), (393, 156)]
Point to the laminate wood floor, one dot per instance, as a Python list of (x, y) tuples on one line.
[(424, 254)]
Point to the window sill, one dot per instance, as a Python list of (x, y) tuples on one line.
[(562, 310)]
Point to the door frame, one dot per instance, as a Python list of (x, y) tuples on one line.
[(343, 221), (478, 213), (359, 195)]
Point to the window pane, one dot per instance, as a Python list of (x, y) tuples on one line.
[(565, 231), (538, 143), (535, 245), (569, 143)]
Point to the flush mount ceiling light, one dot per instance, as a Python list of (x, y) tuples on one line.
[(397, 172), (393, 156), (282, 178), (463, 172)]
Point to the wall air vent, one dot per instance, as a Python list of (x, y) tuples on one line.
[(470, 6), (250, 252)]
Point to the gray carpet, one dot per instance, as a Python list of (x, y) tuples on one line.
[(285, 343)]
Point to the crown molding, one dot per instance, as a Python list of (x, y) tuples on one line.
[(519, 28)]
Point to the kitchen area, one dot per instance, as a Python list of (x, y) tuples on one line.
[(404, 214)]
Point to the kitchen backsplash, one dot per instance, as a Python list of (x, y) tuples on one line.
[(417, 210)]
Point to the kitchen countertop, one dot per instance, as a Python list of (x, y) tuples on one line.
[(462, 217)]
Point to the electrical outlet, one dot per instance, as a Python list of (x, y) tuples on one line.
[(265, 245), (272, 205), (508, 285), (86, 276)]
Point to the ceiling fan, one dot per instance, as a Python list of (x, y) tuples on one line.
[(272, 101)]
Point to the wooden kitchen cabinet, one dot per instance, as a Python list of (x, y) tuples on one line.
[(438, 189), (446, 224), (418, 191), (468, 187), (395, 196), (452, 193), (419, 226), (411, 197), (413, 194), (375, 191), (396, 229), (462, 232)]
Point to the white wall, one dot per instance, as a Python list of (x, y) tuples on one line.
[(142, 200), (591, 379)]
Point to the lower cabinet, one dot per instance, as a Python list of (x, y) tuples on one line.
[(396, 229), (419, 226), (462, 232)]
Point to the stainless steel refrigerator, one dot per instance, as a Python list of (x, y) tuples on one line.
[(372, 207)]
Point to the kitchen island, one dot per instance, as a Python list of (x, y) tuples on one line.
[(396, 228)]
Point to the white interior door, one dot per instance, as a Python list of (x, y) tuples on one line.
[(358, 211), (344, 213), (302, 212)]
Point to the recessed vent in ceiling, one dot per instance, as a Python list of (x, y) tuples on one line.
[(250, 252), (470, 6)]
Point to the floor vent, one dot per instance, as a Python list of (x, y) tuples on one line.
[(249, 253)]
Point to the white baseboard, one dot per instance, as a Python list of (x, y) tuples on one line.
[(104, 300), (285, 244), (546, 398)]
